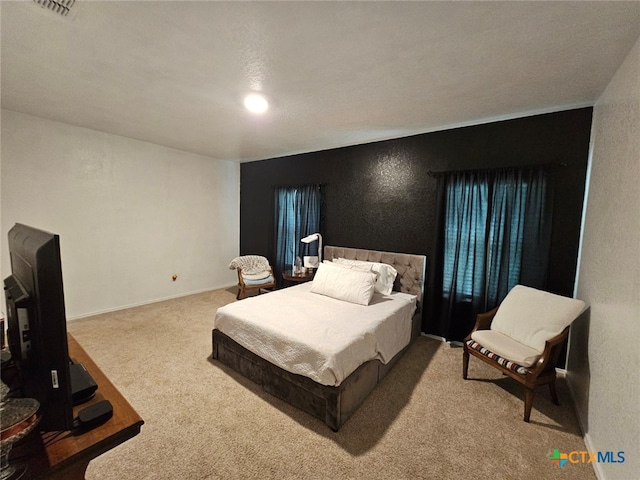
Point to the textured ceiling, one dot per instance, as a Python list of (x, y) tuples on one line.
[(335, 73)]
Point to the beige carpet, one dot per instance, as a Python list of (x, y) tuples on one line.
[(204, 421)]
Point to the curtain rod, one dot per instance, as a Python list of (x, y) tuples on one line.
[(298, 185), (488, 169)]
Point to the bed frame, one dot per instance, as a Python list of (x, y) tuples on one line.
[(331, 404)]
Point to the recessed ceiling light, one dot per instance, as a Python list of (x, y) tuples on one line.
[(256, 103)]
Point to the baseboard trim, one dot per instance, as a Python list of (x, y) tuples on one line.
[(435, 337), (148, 302), (452, 343), (585, 436), (596, 466)]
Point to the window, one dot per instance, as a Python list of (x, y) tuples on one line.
[(465, 236), (488, 216), (297, 214)]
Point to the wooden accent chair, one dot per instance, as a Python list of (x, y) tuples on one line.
[(523, 338), (254, 273)]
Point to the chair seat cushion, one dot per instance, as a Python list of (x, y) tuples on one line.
[(497, 358), (256, 276), (506, 347), (259, 281)]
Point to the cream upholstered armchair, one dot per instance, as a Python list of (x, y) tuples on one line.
[(254, 273), (523, 338)]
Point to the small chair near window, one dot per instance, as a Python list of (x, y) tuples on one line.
[(254, 273), (523, 338)]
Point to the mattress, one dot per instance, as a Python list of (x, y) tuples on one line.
[(320, 337)]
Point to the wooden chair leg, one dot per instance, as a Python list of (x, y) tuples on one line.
[(554, 393), (465, 364), (238, 294), (528, 403)]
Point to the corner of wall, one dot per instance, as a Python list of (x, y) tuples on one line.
[(603, 356)]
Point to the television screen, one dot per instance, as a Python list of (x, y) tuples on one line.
[(37, 324)]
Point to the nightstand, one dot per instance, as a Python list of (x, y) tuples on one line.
[(290, 277)]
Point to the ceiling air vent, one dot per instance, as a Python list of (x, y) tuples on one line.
[(61, 7)]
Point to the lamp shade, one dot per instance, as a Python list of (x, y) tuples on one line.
[(312, 238)]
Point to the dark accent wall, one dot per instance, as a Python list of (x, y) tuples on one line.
[(380, 195)]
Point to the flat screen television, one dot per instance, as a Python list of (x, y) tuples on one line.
[(37, 324)]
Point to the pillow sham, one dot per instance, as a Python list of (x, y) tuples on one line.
[(349, 285), (362, 268), (385, 273)]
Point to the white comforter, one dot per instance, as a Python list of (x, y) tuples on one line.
[(317, 336)]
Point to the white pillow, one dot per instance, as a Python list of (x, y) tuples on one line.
[(386, 274), (531, 316), (350, 285), (362, 268)]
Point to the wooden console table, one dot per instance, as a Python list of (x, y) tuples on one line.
[(63, 455)]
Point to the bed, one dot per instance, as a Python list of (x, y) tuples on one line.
[(335, 391)]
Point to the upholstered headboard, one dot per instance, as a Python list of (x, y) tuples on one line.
[(411, 268)]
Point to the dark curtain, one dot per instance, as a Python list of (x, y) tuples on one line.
[(297, 214), (494, 232)]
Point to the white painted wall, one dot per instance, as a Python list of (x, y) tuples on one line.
[(130, 214), (603, 362)]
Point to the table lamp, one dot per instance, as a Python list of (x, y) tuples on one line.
[(312, 238)]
